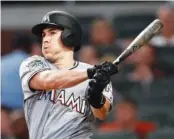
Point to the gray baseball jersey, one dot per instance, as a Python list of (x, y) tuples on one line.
[(58, 113)]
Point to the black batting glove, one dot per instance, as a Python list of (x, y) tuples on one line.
[(92, 71), (109, 68), (95, 89)]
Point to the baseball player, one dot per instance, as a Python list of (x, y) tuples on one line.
[(62, 97)]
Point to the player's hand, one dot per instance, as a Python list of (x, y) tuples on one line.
[(92, 71), (108, 67)]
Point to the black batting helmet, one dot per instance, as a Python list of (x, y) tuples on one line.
[(72, 32)]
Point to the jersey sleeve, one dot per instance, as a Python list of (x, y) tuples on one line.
[(108, 93), (30, 67)]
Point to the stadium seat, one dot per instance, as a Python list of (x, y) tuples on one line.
[(122, 86), (162, 88), (165, 58), (159, 92), (115, 135), (171, 116), (130, 25), (158, 114), (162, 134)]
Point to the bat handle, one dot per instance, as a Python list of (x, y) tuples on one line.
[(116, 62)]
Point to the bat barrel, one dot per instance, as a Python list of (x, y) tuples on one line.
[(151, 30)]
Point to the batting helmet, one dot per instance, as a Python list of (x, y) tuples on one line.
[(72, 32)]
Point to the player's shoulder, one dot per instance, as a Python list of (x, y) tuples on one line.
[(85, 65), (31, 59), (31, 62), (34, 57)]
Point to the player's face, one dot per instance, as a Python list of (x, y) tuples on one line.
[(51, 43)]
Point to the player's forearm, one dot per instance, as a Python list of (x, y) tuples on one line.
[(50, 79), (102, 112), (66, 79)]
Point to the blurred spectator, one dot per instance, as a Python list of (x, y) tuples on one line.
[(127, 120), (13, 125), (6, 124), (89, 55), (144, 61), (102, 33), (166, 38), (24, 45), (103, 38), (19, 127)]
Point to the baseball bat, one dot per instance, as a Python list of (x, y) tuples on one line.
[(151, 30)]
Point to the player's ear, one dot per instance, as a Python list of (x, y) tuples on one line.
[(60, 32), (59, 35)]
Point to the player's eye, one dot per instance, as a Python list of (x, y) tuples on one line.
[(52, 32)]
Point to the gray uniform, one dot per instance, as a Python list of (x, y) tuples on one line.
[(59, 113)]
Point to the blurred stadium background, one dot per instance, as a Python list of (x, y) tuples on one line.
[(144, 87)]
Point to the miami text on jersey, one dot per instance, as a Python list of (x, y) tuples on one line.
[(59, 96)]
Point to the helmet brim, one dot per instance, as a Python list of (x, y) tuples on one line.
[(38, 29)]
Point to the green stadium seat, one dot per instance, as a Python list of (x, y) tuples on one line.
[(165, 58), (171, 116), (159, 92), (157, 114), (162, 88), (130, 25), (115, 135), (122, 84), (162, 134)]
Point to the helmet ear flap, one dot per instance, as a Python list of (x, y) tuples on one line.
[(68, 38)]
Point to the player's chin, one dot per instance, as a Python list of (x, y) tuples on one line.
[(49, 56)]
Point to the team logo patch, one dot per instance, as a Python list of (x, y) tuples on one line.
[(36, 64)]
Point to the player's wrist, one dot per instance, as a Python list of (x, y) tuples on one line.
[(90, 73), (109, 68), (97, 102), (95, 95)]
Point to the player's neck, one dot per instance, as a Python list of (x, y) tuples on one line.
[(65, 60)]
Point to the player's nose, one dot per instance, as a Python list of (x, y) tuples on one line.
[(46, 39)]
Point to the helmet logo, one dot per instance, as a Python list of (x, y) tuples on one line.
[(45, 19)]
